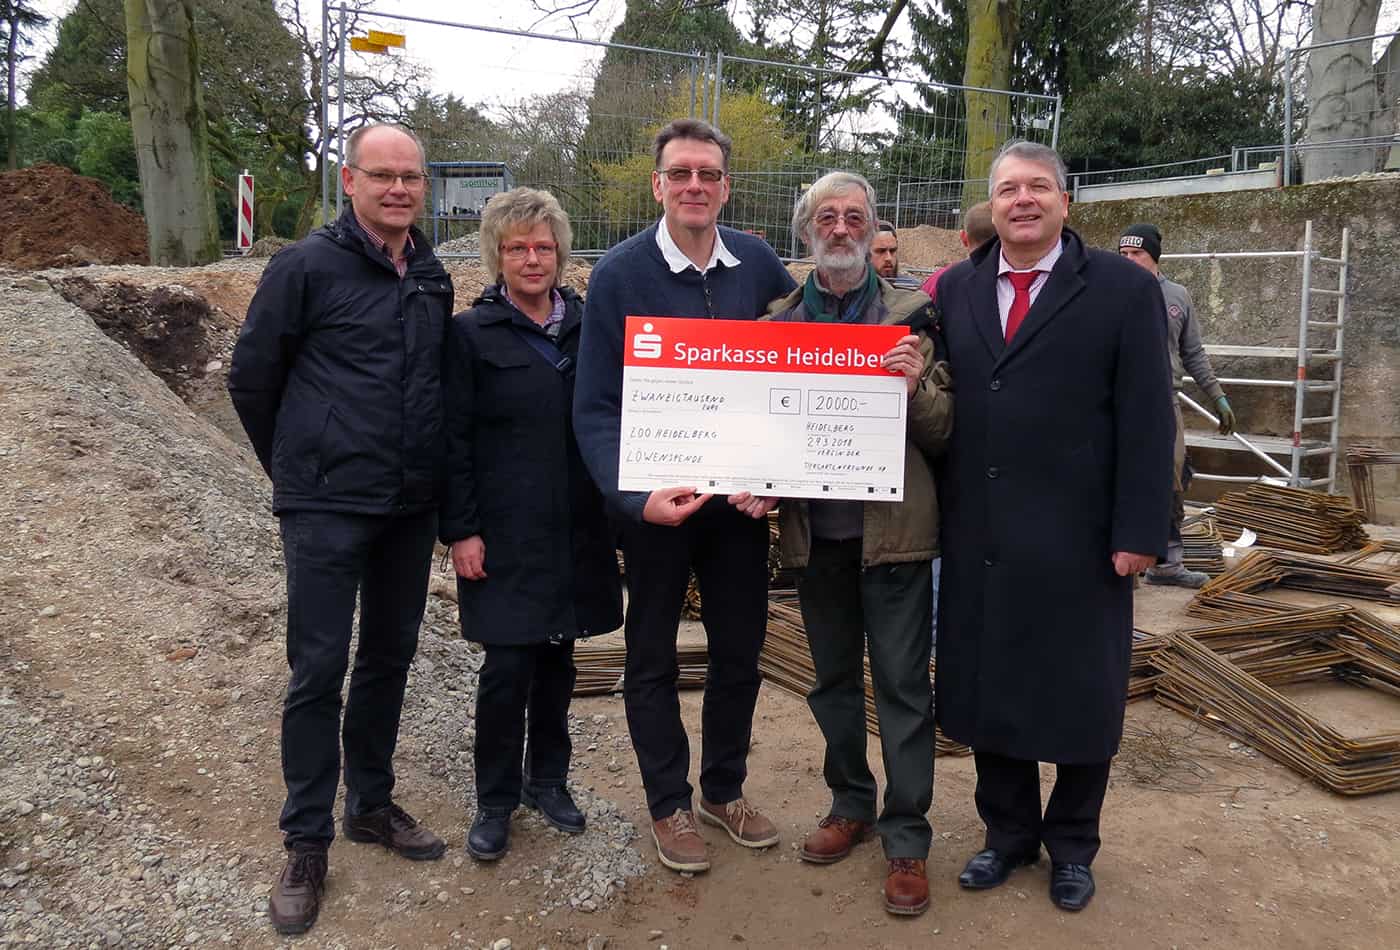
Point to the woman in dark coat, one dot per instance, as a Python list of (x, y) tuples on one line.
[(528, 536)]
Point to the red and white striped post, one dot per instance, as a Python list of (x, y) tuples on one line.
[(245, 212)]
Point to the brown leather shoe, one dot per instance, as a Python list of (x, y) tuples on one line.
[(906, 887), (833, 840), (742, 821), (296, 897), (396, 830), (678, 842)]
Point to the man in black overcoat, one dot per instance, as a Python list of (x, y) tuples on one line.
[(1055, 495)]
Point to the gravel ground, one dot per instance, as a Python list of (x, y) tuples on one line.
[(142, 666)]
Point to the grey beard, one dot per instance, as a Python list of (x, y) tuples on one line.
[(847, 267)]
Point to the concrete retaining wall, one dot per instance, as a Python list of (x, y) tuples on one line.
[(1256, 301)]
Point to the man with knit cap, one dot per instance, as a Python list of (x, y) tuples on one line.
[(1142, 244)]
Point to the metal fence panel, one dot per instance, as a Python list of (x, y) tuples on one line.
[(577, 118), (792, 124), (1343, 99)]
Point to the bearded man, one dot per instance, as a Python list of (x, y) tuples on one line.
[(865, 567)]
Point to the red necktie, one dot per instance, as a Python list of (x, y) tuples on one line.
[(1021, 284)]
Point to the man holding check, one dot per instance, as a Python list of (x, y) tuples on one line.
[(865, 568), (683, 266)]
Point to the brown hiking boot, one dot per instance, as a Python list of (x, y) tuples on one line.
[(743, 822), (296, 897), (906, 887), (678, 842), (396, 830), (833, 840)]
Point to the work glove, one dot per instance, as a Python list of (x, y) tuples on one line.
[(1226, 414)]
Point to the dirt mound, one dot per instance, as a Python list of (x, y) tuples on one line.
[(52, 217), (469, 279), (170, 328), (268, 246), (929, 247)]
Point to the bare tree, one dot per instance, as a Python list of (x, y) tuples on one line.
[(385, 93), (1341, 90), (1221, 36), (167, 121), (992, 28)]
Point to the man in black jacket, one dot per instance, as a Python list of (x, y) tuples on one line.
[(1055, 494), (336, 378)]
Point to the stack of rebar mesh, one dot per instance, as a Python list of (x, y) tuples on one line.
[(1361, 457), (786, 662), (1294, 519), (1203, 549), (1228, 676), (1142, 673), (600, 668), (1229, 596)]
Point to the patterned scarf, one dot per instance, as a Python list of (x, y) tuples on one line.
[(822, 306)]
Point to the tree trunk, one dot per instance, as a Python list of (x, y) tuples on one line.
[(11, 62), (992, 29), (1341, 90), (168, 124), (1387, 73)]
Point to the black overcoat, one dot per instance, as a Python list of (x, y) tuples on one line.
[(1060, 455), (515, 477)]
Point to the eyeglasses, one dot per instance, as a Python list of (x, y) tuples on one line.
[(519, 250), (681, 176), (855, 221), (412, 181)]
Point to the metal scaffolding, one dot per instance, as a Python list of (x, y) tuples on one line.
[(1320, 343)]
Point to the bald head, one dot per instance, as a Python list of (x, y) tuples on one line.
[(977, 226)]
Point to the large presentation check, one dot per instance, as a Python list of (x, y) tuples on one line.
[(796, 410)]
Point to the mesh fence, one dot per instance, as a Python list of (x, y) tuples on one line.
[(1344, 99), (577, 118), (924, 147)]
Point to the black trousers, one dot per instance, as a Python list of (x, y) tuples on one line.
[(522, 689), (1008, 799), (729, 553), (886, 609), (331, 557)]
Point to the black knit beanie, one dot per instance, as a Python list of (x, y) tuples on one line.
[(1144, 237)]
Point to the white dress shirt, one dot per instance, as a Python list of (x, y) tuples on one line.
[(1006, 293), (676, 259)]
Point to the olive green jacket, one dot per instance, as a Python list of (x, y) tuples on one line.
[(900, 531)]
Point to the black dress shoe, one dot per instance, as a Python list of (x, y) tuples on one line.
[(991, 868), (490, 835), (557, 807), (1071, 886)]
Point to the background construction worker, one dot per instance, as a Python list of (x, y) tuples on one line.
[(1142, 244)]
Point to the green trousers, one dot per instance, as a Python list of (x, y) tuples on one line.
[(887, 609)]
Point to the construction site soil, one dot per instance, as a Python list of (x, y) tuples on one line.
[(142, 667), (53, 217)]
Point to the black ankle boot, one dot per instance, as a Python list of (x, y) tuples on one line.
[(557, 807), (489, 837)]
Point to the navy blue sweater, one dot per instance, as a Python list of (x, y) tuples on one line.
[(633, 279)]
